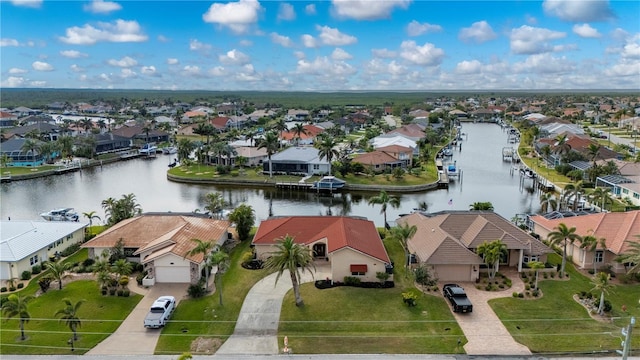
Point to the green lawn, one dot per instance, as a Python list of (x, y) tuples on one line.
[(22, 170), (100, 315), (557, 323)]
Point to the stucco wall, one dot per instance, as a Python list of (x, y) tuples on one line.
[(342, 260)]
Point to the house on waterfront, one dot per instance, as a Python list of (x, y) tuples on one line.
[(386, 158), (26, 243), (44, 130), (350, 246), (161, 241), (447, 242), (139, 134), (108, 142), (298, 160), (17, 155), (303, 139), (8, 119), (254, 156)]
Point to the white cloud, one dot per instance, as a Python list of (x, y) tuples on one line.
[(148, 70), (73, 54), (626, 68), (41, 66), (531, 40), (309, 41), (17, 71), (468, 67), (579, 10), (163, 39), (191, 70), (76, 68), (333, 37), (101, 7), (378, 67), (281, 39), (127, 74), (325, 67), (172, 61), (531, 20), (384, 53), (286, 12), (416, 28), (237, 16), (27, 3), (125, 62), (13, 81), (310, 9), (299, 55), (118, 31), (544, 64), (38, 83), (631, 50), (9, 42), (196, 45), (367, 9), (246, 42), (585, 31), (234, 57), (105, 77), (479, 32), (248, 73), (425, 55), (339, 54), (217, 71)]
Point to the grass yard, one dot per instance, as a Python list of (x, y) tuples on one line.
[(556, 323), (23, 170), (100, 316), (356, 320)]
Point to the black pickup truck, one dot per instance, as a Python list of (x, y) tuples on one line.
[(457, 297)]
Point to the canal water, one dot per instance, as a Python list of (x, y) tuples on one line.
[(484, 178)]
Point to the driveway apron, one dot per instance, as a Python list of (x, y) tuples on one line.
[(132, 338)]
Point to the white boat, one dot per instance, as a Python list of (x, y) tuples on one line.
[(329, 183), (169, 150), (148, 149), (63, 214)]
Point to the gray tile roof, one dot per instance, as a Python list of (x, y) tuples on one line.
[(300, 154), (21, 238)]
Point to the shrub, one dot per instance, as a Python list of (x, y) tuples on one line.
[(409, 298), (88, 262), (527, 287), (535, 293), (36, 269), (195, 291), (514, 294), (70, 250), (112, 291), (424, 277), (12, 288), (520, 295), (3, 299), (26, 275), (140, 276), (20, 285), (3, 289), (104, 291), (126, 293), (120, 292), (607, 306), (351, 281), (382, 276), (138, 267), (553, 275), (124, 281), (545, 275)]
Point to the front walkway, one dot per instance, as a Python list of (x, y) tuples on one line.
[(256, 331), (482, 328)]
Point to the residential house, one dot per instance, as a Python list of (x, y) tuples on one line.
[(109, 142), (298, 160), (413, 132), (447, 242), (14, 150), (221, 123), (297, 115), (394, 139), (618, 229), (139, 134), (304, 139), (386, 158), (350, 246), (161, 242), (254, 156), (7, 119), (626, 185), (578, 143), (45, 131), (27, 243), (458, 114)]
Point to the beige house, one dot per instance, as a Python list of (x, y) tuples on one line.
[(613, 230), (25, 244), (351, 246), (161, 242), (447, 241)]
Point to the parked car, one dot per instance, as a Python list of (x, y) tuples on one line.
[(160, 312), (457, 297)]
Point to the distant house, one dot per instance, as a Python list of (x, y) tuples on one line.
[(386, 158), (137, 133), (25, 243), (413, 132), (161, 242), (626, 185), (303, 139), (109, 142), (254, 156), (578, 143), (45, 131), (394, 139), (298, 160), (7, 119), (447, 242), (297, 115), (221, 123), (17, 156), (351, 246)]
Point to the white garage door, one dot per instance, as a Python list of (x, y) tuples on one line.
[(5, 271), (172, 274), (453, 273)]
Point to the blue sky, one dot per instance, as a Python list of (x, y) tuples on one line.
[(318, 46)]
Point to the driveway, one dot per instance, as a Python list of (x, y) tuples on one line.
[(483, 329), (131, 338)]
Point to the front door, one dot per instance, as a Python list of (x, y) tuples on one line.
[(320, 250)]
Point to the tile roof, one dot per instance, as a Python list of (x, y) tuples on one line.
[(619, 228), (21, 238), (375, 158), (340, 232)]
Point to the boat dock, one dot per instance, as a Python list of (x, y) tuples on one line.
[(443, 180), (68, 168), (129, 155), (294, 185), (508, 154)]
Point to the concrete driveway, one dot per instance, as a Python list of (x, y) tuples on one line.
[(131, 338)]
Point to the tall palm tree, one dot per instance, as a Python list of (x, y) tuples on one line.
[(270, 143), (573, 192), (185, 147), (593, 151), (326, 149), (292, 257), (220, 258), (491, 252), (298, 130), (91, 215), (280, 126), (31, 146), (536, 265), (66, 146), (631, 256), (69, 315), (548, 201), (403, 233), (16, 306), (58, 271), (600, 195), (481, 205), (591, 243), (546, 152), (563, 235), (214, 203), (561, 147), (601, 282), (204, 248), (384, 199)]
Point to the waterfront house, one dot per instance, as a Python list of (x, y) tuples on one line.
[(394, 139), (350, 246), (618, 229), (386, 158), (447, 242), (17, 156), (303, 139), (626, 185), (45, 131), (161, 241), (108, 142), (26, 243), (413, 132), (298, 160), (139, 134), (7, 119), (254, 156)]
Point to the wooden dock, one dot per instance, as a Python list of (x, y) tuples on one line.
[(443, 180), (294, 185)]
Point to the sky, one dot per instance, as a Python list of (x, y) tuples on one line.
[(333, 45)]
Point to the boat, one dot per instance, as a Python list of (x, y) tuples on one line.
[(528, 173), (148, 149), (63, 214), (329, 183), (169, 150), (447, 152)]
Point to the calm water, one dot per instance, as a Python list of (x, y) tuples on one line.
[(485, 177)]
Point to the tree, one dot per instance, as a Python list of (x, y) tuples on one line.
[(546, 152), (122, 267), (185, 147), (492, 253), (123, 208), (591, 243), (214, 203), (548, 201), (594, 152), (326, 150), (58, 271), (292, 257), (573, 192), (270, 143), (403, 233), (600, 195), (601, 282), (631, 256), (563, 235), (204, 248), (16, 306), (31, 146), (220, 258), (481, 205), (384, 199), (69, 315), (561, 146), (536, 265), (244, 218), (298, 130), (91, 215), (65, 144)]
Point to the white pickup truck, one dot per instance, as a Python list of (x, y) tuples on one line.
[(160, 312)]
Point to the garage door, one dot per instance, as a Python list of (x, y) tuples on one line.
[(453, 273), (172, 274)]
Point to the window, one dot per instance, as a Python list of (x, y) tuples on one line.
[(358, 270), (316, 167), (530, 258), (599, 256), (33, 260)]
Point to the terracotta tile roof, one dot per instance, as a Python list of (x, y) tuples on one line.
[(340, 232), (160, 232), (395, 149), (220, 122), (312, 132), (409, 130), (375, 158), (619, 228)]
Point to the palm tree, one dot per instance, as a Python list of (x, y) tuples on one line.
[(326, 150), (561, 146), (591, 243), (563, 235), (384, 199), (601, 282), (600, 195), (631, 256), (214, 203), (122, 267), (220, 258), (185, 147), (593, 151), (66, 146), (16, 306), (481, 205), (91, 215), (546, 152), (204, 248), (492, 253), (548, 201), (271, 143), (573, 192), (298, 130), (280, 126), (58, 271), (69, 315), (292, 257), (244, 218), (31, 146), (403, 233)]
